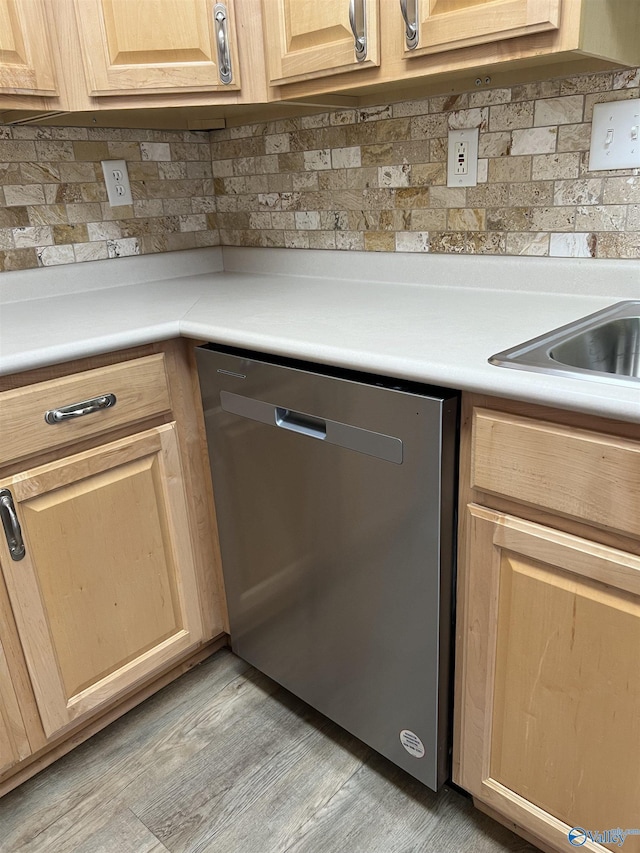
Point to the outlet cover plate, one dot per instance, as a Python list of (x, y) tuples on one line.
[(470, 136), (116, 178), (615, 136)]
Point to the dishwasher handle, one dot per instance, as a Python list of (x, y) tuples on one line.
[(299, 422), (349, 436)]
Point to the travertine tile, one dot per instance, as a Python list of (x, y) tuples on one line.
[(41, 173), (155, 151), (31, 236), (410, 108), (123, 248), (412, 241), (447, 197), (564, 110), (574, 137), (379, 241), (617, 245), (317, 160), (533, 193), (18, 259), (606, 97), (494, 144), (622, 190), (296, 239), (478, 117), (535, 140), (629, 78), (16, 151), (90, 252), (307, 220), (51, 256), (511, 116), (550, 166), (572, 245), (345, 158), (322, 239), (487, 97), (601, 217), (510, 169), (552, 218), (527, 243), (21, 195), (633, 217), (394, 176), (585, 83), (466, 219), (580, 191), (6, 239)]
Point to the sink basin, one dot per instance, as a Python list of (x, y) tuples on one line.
[(604, 346)]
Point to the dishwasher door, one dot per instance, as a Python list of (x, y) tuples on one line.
[(335, 506)]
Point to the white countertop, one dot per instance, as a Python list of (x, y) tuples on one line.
[(401, 315)]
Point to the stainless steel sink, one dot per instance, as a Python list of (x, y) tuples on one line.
[(604, 345)]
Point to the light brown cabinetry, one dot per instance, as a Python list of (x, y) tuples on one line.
[(455, 42), (309, 40), (157, 46), (26, 62), (547, 731), (443, 25), (118, 583)]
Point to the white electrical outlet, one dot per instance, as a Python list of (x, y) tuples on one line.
[(116, 178), (462, 159), (615, 135)]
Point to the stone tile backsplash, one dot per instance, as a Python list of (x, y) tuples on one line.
[(53, 200), (371, 179), (375, 179)]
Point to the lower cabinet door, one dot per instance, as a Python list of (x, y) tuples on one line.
[(106, 593), (549, 688)]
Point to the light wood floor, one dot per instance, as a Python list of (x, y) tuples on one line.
[(225, 761)]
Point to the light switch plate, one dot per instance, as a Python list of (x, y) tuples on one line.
[(462, 158), (615, 136), (116, 177)]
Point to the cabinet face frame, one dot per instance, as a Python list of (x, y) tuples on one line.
[(145, 69), (489, 534), (307, 40), (443, 27), (14, 743), (159, 445), (26, 66)]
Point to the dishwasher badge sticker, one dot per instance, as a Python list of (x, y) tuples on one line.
[(412, 743)]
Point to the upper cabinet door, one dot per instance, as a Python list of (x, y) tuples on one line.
[(447, 24), (25, 56), (307, 40), (151, 46)]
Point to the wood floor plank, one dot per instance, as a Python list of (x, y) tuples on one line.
[(98, 770), (225, 761)]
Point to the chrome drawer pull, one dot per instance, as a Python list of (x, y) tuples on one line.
[(222, 43), (409, 9), (77, 410), (358, 21), (12, 529)]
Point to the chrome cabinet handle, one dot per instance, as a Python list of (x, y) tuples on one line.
[(358, 21), (222, 43), (77, 410), (12, 529), (409, 9)]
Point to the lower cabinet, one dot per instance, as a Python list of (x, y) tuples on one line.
[(106, 592), (109, 570), (548, 681)]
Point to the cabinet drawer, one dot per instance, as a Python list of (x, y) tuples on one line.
[(586, 475), (140, 389)]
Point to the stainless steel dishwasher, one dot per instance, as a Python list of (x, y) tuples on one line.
[(335, 500)]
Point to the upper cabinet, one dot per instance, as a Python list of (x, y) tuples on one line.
[(432, 26), (308, 40), (158, 46), (26, 66), (437, 46)]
